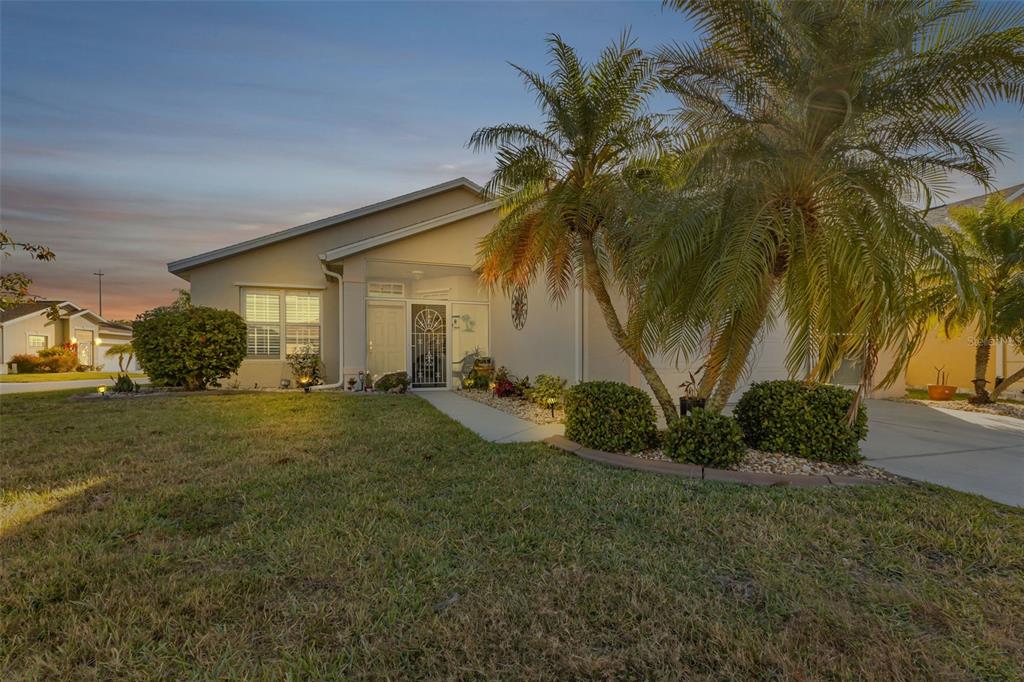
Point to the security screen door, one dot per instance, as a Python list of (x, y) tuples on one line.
[(429, 331)]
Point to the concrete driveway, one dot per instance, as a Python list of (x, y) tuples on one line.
[(968, 451)]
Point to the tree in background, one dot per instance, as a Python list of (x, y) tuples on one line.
[(559, 186), (14, 286), (124, 352), (812, 130), (992, 241)]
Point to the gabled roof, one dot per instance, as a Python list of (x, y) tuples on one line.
[(16, 312), (940, 214), (407, 231), (184, 264)]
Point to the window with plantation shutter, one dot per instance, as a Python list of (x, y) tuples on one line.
[(263, 319), (302, 320)]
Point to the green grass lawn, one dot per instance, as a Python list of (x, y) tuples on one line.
[(58, 376), (325, 535)]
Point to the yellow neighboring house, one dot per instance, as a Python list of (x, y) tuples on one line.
[(955, 355)]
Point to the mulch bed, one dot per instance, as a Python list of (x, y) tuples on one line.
[(518, 407), (778, 463), (696, 471)]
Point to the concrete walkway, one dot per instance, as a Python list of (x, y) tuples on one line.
[(487, 422), (7, 388), (968, 451)]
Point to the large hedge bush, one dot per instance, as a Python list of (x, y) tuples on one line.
[(189, 346), (804, 419), (610, 416), (707, 438)]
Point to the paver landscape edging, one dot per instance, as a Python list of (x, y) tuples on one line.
[(700, 472)]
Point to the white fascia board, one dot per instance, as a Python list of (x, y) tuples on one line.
[(178, 266), (90, 314), (408, 231)]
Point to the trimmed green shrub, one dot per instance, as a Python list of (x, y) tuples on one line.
[(707, 438), (611, 416), (803, 419), (190, 346), (395, 382), (546, 387), (62, 358), (25, 362)]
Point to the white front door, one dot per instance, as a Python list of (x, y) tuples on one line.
[(385, 334)]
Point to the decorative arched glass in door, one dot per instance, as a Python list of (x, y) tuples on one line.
[(429, 346)]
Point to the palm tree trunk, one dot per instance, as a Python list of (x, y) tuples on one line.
[(632, 350), (981, 355), (731, 349), (867, 376), (1006, 383)]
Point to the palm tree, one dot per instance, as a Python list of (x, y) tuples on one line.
[(124, 352), (812, 133), (559, 186), (992, 240)]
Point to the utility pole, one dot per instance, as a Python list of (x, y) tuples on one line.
[(99, 279)]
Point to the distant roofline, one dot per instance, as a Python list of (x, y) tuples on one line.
[(48, 303), (1017, 193), (179, 266)]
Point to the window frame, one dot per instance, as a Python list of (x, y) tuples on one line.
[(28, 341), (319, 317), (243, 311), (282, 323)]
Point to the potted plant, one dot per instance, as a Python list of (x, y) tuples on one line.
[(940, 390), (689, 400), (483, 366)]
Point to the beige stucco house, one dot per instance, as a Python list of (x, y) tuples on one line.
[(27, 328), (391, 286)]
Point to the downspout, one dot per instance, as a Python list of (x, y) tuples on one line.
[(341, 329)]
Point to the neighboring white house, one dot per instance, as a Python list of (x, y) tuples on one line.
[(393, 286), (27, 328)]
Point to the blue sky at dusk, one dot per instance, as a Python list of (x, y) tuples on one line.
[(138, 133)]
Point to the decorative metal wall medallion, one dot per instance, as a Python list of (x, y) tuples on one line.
[(519, 307)]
